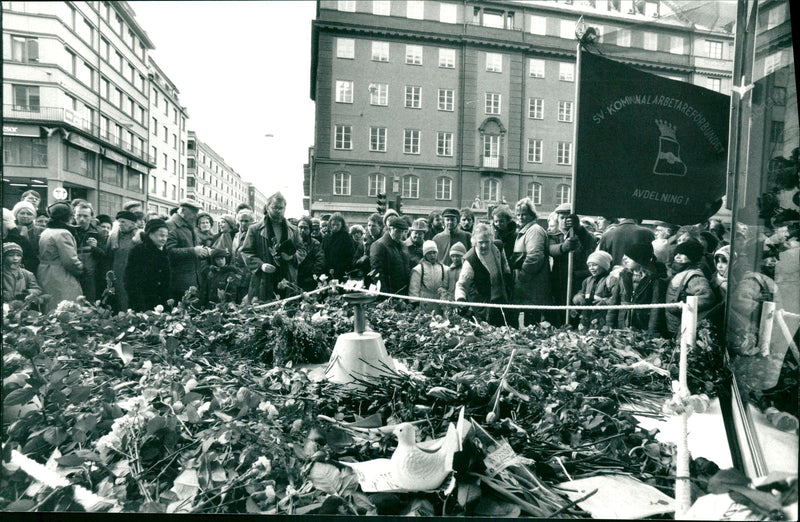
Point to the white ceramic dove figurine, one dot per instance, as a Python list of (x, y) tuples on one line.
[(424, 466)]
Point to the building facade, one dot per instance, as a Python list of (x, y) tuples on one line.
[(75, 103), (209, 180), (168, 134), (472, 104), (257, 201)]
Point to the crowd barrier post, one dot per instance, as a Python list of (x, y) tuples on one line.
[(683, 486)]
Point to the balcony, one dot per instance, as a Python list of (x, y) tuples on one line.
[(492, 162), (40, 114)]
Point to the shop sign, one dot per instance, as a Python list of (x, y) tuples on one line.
[(138, 166), (32, 131), (80, 141)]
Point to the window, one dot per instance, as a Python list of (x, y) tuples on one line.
[(112, 173), (24, 152), (155, 127), (174, 167), (377, 139), (415, 9), (413, 97), (163, 189), (104, 49), (84, 73), (376, 184), (444, 188), (564, 153), (773, 62), (175, 141), (25, 98), (103, 127), (566, 72), (380, 51), (347, 5), (166, 107), (341, 184), (105, 88), (537, 68), (536, 108), (676, 45), (624, 38), (410, 186), (24, 49), (344, 91), (444, 144), (164, 157), (715, 84), (381, 7), (490, 189), (447, 58), (344, 137), (446, 99), (567, 29), (779, 95), (155, 98), (565, 111), (79, 161), (118, 62), (535, 192), (414, 54), (119, 99), (84, 30), (493, 19), (494, 62), (165, 134), (153, 185), (379, 94), (776, 16), (131, 74), (448, 13), (538, 25), (411, 139), (714, 49), (492, 103), (562, 194), (534, 150), (651, 41), (491, 151), (345, 48), (175, 115)]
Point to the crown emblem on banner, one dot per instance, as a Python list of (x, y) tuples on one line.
[(667, 129)]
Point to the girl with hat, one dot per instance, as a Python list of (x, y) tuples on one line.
[(147, 273), (18, 283), (594, 289), (687, 279), (429, 277), (457, 253), (220, 280), (59, 266)]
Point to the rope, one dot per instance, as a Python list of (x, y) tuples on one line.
[(290, 299), (518, 306)]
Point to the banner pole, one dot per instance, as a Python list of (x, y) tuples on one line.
[(574, 155)]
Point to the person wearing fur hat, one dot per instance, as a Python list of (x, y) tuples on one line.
[(594, 290), (429, 277), (415, 240), (643, 280), (457, 253), (59, 266), (18, 283), (687, 279), (220, 280), (147, 272)]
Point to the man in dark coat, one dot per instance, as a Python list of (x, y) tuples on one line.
[(416, 237), (183, 249), (505, 230), (627, 232), (91, 251), (570, 236), (389, 257), (314, 263), (452, 234)]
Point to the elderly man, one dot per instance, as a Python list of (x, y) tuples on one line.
[(452, 234), (389, 258), (120, 243), (244, 219), (569, 236), (91, 250), (272, 250), (184, 250), (416, 238)]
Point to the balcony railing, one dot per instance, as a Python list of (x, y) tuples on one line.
[(492, 162), (61, 115)]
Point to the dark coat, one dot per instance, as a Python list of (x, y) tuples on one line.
[(260, 247), (559, 272), (616, 239), (595, 290), (93, 259), (339, 250), (390, 259), (220, 282), (30, 254), (313, 264), (505, 239), (184, 263), (147, 276), (650, 290)]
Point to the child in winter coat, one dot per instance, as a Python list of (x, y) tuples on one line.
[(429, 278), (687, 279), (719, 281), (18, 283), (594, 289), (642, 281), (221, 280), (457, 253)]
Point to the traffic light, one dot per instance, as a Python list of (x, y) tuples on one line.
[(381, 204), (398, 204)]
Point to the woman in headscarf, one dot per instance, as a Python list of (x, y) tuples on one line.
[(147, 272), (59, 266), (338, 247)]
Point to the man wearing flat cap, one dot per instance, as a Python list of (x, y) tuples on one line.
[(416, 237), (120, 242), (389, 257), (184, 249), (569, 236), (451, 235)]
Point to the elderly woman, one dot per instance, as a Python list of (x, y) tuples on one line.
[(338, 247), (59, 266), (485, 277), (147, 272), (530, 261)]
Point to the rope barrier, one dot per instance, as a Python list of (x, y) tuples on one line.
[(290, 299)]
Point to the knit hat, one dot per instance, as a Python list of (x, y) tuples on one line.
[(60, 211), (21, 205), (126, 214), (152, 225), (600, 258), (724, 252), (691, 248), (642, 253), (11, 247), (420, 225), (458, 249), (429, 246)]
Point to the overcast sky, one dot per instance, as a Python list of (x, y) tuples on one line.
[(242, 69)]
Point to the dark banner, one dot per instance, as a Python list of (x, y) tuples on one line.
[(648, 147)]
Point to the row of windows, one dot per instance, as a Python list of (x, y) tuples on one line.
[(154, 98), (118, 26), (491, 189), (122, 66), (165, 135)]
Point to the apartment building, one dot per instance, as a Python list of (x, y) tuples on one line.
[(168, 135), (257, 200), (75, 109), (472, 104), (210, 180)]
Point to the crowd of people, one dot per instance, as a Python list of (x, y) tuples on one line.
[(139, 261)]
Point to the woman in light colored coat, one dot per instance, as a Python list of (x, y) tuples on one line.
[(530, 261), (59, 265)]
